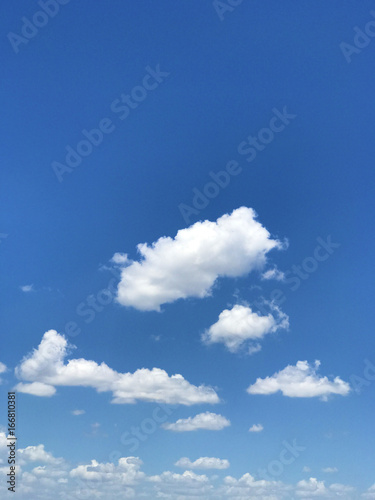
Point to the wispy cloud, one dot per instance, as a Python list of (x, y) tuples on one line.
[(78, 412)]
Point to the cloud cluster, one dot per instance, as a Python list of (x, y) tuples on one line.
[(45, 369), (41, 476), (240, 324), (300, 381), (189, 264), (207, 421)]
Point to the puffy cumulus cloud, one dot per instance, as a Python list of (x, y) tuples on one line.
[(314, 488), (181, 486), (300, 381), (203, 463), (189, 264), (240, 324), (127, 471), (248, 487), (27, 288), (37, 454), (256, 428), (207, 421), (44, 368)]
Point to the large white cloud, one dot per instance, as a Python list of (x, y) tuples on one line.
[(208, 421), (300, 381), (240, 324), (203, 463), (189, 264), (45, 369)]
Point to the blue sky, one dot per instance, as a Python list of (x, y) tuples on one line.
[(218, 75)]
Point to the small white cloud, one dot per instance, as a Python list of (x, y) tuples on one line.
[(203, 463), (77, 412), (256, 428), (300, 381), (3, 368), (240, 324), (189, 264), (330, 470), (306, 469), (207, 421), (120, 258), (273, 274), (27, 288)]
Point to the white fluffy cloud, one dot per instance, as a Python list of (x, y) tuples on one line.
[(27, 288), (314, 488), (300, 381), (45, 369), (37, 454), (203, 463), (240, 324), (208, 421), (189, 264), (127, 471), (256, 428)]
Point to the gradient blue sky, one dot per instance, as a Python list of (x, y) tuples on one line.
[(315, 179)]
